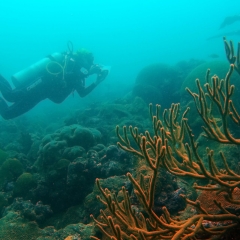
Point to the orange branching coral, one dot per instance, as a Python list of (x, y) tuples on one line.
[(219, 93), (166, 148)]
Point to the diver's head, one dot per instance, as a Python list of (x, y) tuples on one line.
[(84, 58)]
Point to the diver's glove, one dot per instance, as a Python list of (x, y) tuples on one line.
[(101, 76)]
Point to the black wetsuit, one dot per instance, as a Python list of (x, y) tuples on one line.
[(48, 86)]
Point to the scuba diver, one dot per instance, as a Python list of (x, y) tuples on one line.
[(54, 77)]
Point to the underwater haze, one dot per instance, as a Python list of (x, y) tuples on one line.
[(126, 35), (146, 52)]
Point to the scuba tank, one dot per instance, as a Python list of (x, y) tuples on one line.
[(40, 68)]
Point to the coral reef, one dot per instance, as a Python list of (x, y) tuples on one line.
[(33, 212), (160, 82), (155, 79), (49, 163), (172, 146)]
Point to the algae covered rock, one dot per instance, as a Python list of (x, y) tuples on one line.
[(77, 231), (67, 142), (29, 211), (3, 201), (114, 184), (3, 156), (158, 84), (10, 170), (74, 152), (12, 167), (69, 136), (76, 135), (24, 183), (14, 227), (62, 164)]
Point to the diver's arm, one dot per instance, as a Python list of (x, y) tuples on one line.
[(84, 91)]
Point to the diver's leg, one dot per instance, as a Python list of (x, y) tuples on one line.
[(7, 92), (3, 107), (5, 88), (16, 109)]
